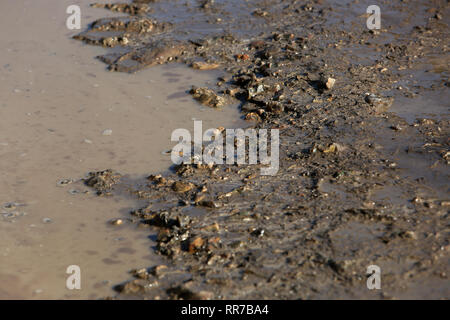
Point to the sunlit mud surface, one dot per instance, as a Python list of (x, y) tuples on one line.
[(61, 116), (364, 153)]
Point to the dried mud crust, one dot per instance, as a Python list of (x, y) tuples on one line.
[(312, 230)]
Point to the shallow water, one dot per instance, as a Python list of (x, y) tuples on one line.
[(57, 101)]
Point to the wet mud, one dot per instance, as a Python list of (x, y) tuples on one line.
[(364, 151)]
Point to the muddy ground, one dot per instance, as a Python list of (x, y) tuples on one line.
[(358, 185)]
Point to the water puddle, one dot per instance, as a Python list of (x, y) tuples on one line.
[(61, 116), (433, 105)]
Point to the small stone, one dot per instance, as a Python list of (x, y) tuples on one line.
[(252, 116), (10, 205), (159, 270), (200, 65), (258, 232), (409, 235), (140, 273), (330, 83), (205, 295), (64, 182), (372, 99), (199, 197), (107, 132), (187, 292), (110, 41), (208, 97), (212, 227), (133, 287), (116, 222), (196, 244), (242, 57), (334, 147), (47, 220), (258, 44), (380, 104), (180, 186)]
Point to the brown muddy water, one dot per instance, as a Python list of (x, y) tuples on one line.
[(62, 115)]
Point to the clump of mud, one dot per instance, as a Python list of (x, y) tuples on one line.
[(102, 181), (131, 9)]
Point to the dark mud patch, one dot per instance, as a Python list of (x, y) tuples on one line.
[(340, 201)]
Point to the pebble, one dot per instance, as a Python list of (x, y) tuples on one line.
[(372, 99), (330, 83), (179, 186), (47, 220), (116, 222), (107, 132), (196, 244), (64, 182), (159, 270), (205, 66)]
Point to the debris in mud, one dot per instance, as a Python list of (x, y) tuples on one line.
[(132, 9), (64, 182), (116, 222), (47, 220), (12, 205), (196, 244), (137, 286), (208, 97), (11, 216), (180, 186), (156, 53), (199, 65), (141, 274), (328, 82), (242, 57), (381, 104), (107, 132), (334, 147), (102, 181), (110, 32), (185, 292), (159, 271)]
